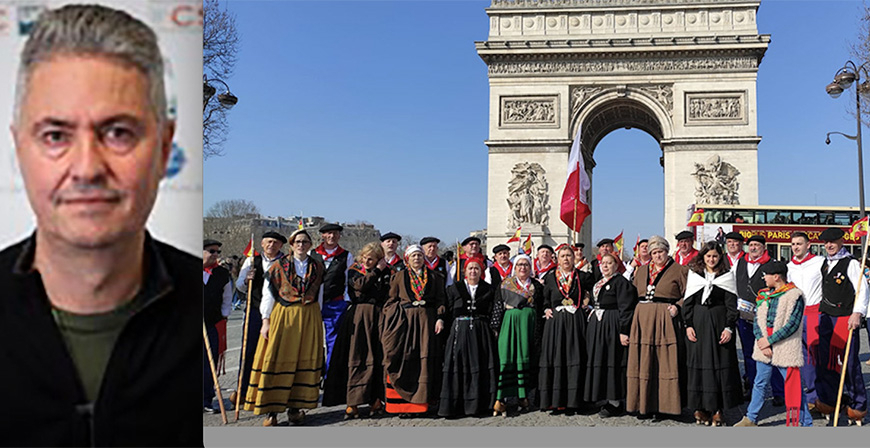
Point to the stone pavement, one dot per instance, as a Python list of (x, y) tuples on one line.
[(334, 416)]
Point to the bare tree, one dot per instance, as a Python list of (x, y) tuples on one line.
[(229, 208), (220, 43), (861, 55)]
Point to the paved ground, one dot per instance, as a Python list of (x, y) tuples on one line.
[(334, 416)]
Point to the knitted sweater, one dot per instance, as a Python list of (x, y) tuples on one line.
[(787, 352)]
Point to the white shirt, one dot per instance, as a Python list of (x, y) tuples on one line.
[(472, 289), (807, 276), (487, 277), (735, 260), (226, 295), (751, 267), (854, 274), (268, 300), (449, 277), (241, 284), (326, 264)]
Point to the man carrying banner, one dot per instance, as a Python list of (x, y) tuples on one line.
[(843, 306)]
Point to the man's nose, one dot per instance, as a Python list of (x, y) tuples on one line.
[(89, 163)]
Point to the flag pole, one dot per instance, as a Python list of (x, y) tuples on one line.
[(217, 385), (574, 229), (239, 390), (849, 338)]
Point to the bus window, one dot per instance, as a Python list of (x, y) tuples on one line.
[(817, 249), (807, 218), (856, 250), (776, 218), (826, 219), (842, 219), (771, 251), (714, 216), (784, 252)]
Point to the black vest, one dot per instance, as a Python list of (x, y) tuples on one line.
[(257, 283), (495, 275), (838, 293), (334, 277), (213, 295), (747, 288)]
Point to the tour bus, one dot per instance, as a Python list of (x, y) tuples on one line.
[(776, 223)]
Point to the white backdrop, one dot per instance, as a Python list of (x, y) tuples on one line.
[(177, 215)]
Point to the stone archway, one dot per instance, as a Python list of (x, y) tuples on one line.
[(684, 71)]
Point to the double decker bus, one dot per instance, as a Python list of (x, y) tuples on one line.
[(776, 224)]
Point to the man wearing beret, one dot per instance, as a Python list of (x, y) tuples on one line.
[(502, 268), (734, 248), (841, 310), (390, 243), (544, 262), (217, 303), (685, 247), (750, 280), (470, 250), (433, 261), (605, 246), (333, 291), (253, 270), (580, 261)]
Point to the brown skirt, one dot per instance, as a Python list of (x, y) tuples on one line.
[(653, 380), (410, 355)]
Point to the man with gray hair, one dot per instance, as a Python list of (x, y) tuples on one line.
[(99, 323)]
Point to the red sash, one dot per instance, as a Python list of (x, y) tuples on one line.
[(792, 391), (811, 313), (504, 273), (838, 344), (326, 256), (221, 362), (685, 260), (432, 265)]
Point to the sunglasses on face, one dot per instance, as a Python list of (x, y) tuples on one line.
[(214, 251)]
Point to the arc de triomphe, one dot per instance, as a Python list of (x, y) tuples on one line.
[(683, 71)]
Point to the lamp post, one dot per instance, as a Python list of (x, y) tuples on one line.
[(843, 79), (227, 99)]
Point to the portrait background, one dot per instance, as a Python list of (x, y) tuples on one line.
[(177, 215)]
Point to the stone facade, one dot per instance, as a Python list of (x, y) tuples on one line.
[(682, 71)]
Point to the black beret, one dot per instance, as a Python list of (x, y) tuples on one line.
[(774, 267), (734, 236), (331, 228), (389, 235), (208, 242), (832, 234), (684, 235), (643, 241), (429, 239), (500, 248), (276, 235), (759, 238), (545, 246), (604, 241), (470, 239), (580, 245)]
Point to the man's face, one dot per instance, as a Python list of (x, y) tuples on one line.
[(390, 245), (755, 249), (832, 247), (544, 257), (472, 248), (578, 253), (800, 246), (733, 246), (271, 246), (502, 256), (210, 255), (430, 250), (770, 280), (605, 249), (643, 250), (685, 245), (90, 148), (331, 238)]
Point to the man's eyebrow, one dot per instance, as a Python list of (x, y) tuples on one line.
[(53, 122), (133, 120)]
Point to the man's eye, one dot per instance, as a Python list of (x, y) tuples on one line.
[(120, 138), (54, 138)]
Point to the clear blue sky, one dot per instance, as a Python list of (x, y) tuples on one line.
[(378, 110)]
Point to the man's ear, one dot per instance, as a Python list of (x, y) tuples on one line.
[(166, 143)]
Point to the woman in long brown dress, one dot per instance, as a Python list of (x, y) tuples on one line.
[(413, 315), (358, 378), (656, 354)]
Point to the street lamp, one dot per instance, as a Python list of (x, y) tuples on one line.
[(843, 79), (227, 99)]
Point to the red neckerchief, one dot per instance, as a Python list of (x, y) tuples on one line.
[(539, 271), (581, 263), (326, 256), (394, 260), (208, 269), (685, 260), (654, 272), (565, 283), (359, 267), (806, 259), (735, 260), (433, 265), (643, 263), (504, 273), (764, 258), (520, 284)]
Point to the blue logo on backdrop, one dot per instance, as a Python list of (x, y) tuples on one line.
[(176, 161), (27, 15)]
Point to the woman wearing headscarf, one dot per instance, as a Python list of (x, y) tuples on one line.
[(710, 314), (470, 364), (288, 363), (563, 349), (413, 315), (656, 355), (518, 307), (607, 336), (358, 378)]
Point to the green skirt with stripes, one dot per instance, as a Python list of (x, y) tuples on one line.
[(288, 366), (515, 347)]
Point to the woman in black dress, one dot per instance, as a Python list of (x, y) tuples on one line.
[(607, 330), (710, 313), (470, 362)]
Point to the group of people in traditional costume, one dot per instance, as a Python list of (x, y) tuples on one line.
[(414, 334)]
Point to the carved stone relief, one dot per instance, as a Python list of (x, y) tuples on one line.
[(716, 182), (528, 196), (662, 93), (524, 111), (716, 107), (717, 64)]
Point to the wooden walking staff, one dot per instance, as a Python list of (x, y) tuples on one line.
[(849, 339), (239, 391), (217, 386)]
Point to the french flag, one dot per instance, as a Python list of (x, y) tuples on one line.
[(575, 206)]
